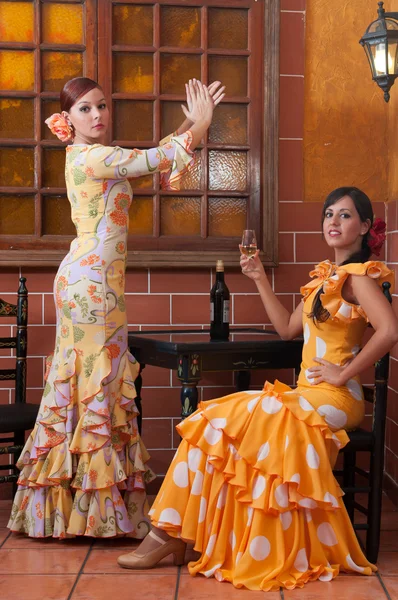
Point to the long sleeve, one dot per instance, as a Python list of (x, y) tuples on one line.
[(172, 159)]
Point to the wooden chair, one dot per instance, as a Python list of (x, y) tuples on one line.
[(18, 417), (372, 442)]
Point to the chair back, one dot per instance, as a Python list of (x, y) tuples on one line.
[(17, 342)]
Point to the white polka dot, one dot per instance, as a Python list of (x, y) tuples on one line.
[(202, 510), (326, 576), (295, 478), (252, 404), (234, 452), (170, 515), (259, 548), (281, 495), (180, 475), (301, 562), (211, 406), (232, 539), (258, 486), (209, 467), (151, 512), (197, 485), (312, 457), (307, 503), (196, 416), (211, 571), (286, 442), (211, 544), (286, 519), (307, 333), (326, 534), (212, 436), (218, 575), (309, 375), (263, 452), (250, 513), (320, 347), (353, 565), (271, 405), (344, 310), (305, 405), (330, 498), (334, 417), (355, 389), (209, 528), (194, 457), (218, 423), (222, 496), (335, 277), (238, 557), (308, 515), (355, 350)]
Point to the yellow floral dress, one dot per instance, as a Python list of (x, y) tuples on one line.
[(85, 448), (252, 484)]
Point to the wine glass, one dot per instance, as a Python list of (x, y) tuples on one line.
[(249, 243)]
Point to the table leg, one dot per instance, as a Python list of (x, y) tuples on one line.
[(189, 398), (242, 380), (138, 399), (189, 369)]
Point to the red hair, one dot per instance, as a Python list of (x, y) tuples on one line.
[(75, 89)]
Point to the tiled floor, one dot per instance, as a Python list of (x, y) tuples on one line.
[(83, 569)]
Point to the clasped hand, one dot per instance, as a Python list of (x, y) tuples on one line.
[(326, 371)]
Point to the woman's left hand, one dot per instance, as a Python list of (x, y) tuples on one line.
[(216, 92), (326, 371)]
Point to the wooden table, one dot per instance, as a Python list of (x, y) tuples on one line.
[(191, 353)]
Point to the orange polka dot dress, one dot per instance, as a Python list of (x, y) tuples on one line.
[(252, 483)]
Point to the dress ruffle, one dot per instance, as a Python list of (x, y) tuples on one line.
[(263, 515), (93, 453), (333, 277)]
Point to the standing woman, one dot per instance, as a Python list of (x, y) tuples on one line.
[(85, 448), (252, 483)]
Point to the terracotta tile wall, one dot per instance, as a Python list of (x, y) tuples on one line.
[(178, 298)]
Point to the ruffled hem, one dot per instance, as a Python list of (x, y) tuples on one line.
[(333, 277), (184, 160), (262, 517)]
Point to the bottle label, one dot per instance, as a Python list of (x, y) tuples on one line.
[(211, 312), (225, 317)]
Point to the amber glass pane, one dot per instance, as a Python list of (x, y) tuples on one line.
[(48, 107), (17, 167), (192, 179), (53, 167), (179, 216), (171, 117), (16, 70), (58, 67), (227, 216), (141, 216), (132, 25), (176, 70), (54, 17), (133, 120), (16, 118), (229, 125), (57, 216), (228, 28), (232, 71), (16, 22), (227, 170), (180, 26), (17, 215), (133, 73), (142, 182)]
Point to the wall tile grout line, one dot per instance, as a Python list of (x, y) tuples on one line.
[(379, 577), (81, 571), (4, 541), (177, 583)]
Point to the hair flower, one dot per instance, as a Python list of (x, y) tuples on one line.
[(59, 127), (377, 236)]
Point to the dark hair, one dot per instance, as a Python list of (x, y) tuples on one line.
[(364, 209), (75, 89)]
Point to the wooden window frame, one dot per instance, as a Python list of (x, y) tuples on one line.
[(186, 252)]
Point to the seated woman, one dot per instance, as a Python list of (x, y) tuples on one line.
[(251, 484)]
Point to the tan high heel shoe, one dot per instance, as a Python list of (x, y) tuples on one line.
[(134, 560)]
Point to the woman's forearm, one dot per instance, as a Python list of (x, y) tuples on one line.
[(187, 124), (277, 313), (379, 344), (198, 130)]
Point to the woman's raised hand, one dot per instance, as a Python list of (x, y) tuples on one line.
[(200, 102), (252, 266)]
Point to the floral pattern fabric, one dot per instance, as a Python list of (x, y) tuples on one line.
[(252, 484), (84, 467)]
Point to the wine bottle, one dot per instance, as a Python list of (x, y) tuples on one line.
[(219, 306)]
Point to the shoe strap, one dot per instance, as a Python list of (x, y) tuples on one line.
[(153, 535)]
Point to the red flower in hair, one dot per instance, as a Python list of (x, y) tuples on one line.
[(377, 236)]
